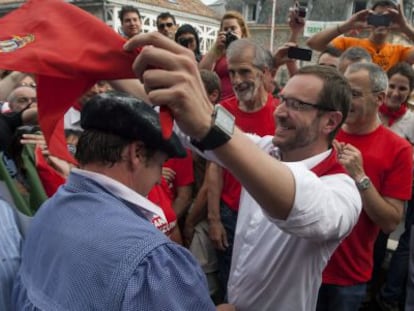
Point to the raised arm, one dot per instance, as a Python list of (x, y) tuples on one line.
[(400, 23), (215, 53), (321, 40), (384, 211), (180, 80)]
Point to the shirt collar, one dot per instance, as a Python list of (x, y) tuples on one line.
[(309, 162), (149, 209)]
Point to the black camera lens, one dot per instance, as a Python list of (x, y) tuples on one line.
[(302, 11), (230, 37)]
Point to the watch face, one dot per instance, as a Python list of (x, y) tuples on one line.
[(364, 183), (224, 120)]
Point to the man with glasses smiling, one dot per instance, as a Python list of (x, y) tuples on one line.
[(380, 163), (166, 24), (293, 214)]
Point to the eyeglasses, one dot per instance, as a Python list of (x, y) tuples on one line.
[(298, 105), (26, 100), (162, 26)]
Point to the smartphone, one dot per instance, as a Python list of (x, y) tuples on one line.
[(379, 20), (301, 10), (299, 53)]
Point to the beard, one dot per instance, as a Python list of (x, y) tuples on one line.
[(298, 137), (247, 93)]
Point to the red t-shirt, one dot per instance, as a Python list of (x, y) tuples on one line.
[(159, 197), (184, 173), (387, 161), (223, 72), (261, 123), (163, 195)]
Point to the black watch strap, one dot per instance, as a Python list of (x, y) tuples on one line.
[(214, 139)]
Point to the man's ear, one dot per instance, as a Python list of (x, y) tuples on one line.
[(333, 119), (214, 96), (266, 70), (135, 154), (381, 96)]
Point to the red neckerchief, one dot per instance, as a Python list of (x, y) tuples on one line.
[(329, 166), (393, 115)]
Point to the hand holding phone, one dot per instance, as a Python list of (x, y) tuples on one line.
[(299, 53), (378, 20), (301, 11)]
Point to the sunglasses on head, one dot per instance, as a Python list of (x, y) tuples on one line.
[(163, 25)]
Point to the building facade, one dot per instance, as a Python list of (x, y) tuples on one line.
[(194, 12)]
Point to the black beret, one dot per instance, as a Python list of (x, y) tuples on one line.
[(129, 117)]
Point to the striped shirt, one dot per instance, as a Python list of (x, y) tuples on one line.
[(10, 244)]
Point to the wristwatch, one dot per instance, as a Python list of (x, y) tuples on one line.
[(221, 131), (363, 184)]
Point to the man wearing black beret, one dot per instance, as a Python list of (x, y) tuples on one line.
[(94, 245)]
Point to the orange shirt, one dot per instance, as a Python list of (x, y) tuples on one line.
[(385, 56)]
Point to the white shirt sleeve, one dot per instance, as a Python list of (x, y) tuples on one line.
[(324, 208)]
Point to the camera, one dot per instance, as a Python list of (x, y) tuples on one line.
[(379, 20), (185, 42), (230, 37), (301, 11), (299, 53)]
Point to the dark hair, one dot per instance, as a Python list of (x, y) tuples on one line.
[(165, 15), (403, 69), (211, 81), (103, 148), (336, 92), (187, 28), (72, 132), (126, 9), (384, 3), (15, 148), (330, 50)]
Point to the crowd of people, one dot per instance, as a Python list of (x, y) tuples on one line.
[(265, 196)]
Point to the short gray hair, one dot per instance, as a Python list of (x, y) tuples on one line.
[(378, 77), (262, 58)]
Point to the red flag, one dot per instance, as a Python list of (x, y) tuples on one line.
[(69, 50)]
